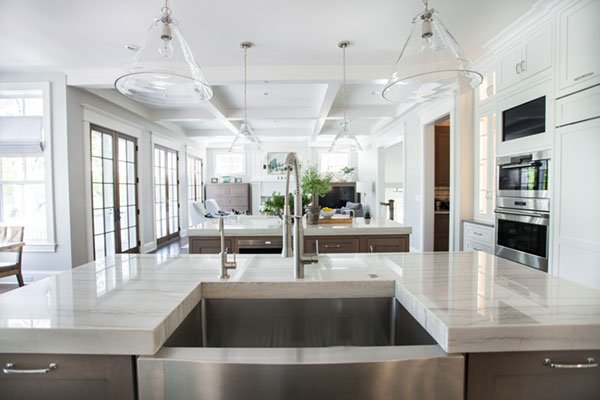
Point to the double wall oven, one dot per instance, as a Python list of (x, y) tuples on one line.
[(523, 209)]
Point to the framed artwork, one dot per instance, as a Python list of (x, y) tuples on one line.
[(214, 180), (237, 180), (276, 163), (226, 179)]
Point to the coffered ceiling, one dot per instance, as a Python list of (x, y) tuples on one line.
[(294, 71)]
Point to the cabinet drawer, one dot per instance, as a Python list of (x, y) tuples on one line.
[(332, 245), (471, 245), (479, 233), (387, 244), (526, 375), (75, 377), (578, 107), (208, 246), (239, 191)]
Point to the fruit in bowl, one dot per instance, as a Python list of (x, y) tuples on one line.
[(327, 212)]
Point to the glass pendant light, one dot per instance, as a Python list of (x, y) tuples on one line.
[(431, 64), (162, 71), (244, 139), (344, 141)]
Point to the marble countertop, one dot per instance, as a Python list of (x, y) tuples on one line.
[(253, 225), (469, 302)]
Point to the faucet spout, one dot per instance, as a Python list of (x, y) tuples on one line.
[(295, 247), (225, 264)]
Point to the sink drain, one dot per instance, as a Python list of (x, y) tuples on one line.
[(373, 276)]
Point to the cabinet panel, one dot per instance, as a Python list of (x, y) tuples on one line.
[(579, 58), (75, 377), (524, 375), (537, 53), (387, 244), (337, 244), (441, 228), (579, 106), (510, 68), (470, 245), (209, 246)]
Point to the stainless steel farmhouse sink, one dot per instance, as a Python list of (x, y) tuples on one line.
[(332, 348)]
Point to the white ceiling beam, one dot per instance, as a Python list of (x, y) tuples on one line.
[(181, 114), (367, 112), (105, 78), (216, 108), (271, 113), (328, 98)]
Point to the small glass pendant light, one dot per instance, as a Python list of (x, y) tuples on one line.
[(244, 139), (431, 64), (344, 141), (162, 71)]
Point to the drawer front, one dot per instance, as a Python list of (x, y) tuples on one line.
[(471, 245), (337, 245), (525, 375), (216, 190), (422, 372), (387, 245), (238, 190), (578, 107), (208, 246), (479, 233), (75, 377)]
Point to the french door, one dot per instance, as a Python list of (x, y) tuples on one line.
[(166, 194), (114, 192), (194, 178)]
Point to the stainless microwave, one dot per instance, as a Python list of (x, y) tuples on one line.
[(524, 175)]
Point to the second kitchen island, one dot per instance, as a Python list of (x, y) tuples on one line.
[(262, 234)]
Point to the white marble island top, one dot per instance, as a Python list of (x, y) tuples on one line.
[(469, 302), (254, 225)]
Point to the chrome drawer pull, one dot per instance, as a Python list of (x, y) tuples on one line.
[(333, 246), (10, 369), (583, 76), (589, 363)]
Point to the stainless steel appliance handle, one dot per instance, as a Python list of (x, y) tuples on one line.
[(10, 369), (521, 213), (589, 363), (511, 166)]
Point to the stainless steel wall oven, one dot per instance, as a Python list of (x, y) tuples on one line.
[(523, 209)]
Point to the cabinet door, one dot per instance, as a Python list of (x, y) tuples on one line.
[(72, 377), (485, 164), (537, 51), (387, 244), (579, 58), (527, 375), (510, 68), (487, 90), (208, 246)]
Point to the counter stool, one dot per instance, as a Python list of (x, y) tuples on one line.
[(11, 241)]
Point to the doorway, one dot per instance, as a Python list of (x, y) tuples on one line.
[(114, 192), (166, 194), (441, 206), (394, 179)]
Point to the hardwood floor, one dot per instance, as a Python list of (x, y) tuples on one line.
[(174, 249), (5, 287)]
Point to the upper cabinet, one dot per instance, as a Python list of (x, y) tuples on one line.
[(487, 90), (530, 57), (579, 54)]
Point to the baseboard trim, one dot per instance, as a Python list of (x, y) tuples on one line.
[(149, 247)]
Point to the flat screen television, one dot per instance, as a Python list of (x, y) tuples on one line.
[(338, 197), (524, 120)]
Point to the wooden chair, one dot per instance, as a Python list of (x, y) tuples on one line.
[(11, 241)]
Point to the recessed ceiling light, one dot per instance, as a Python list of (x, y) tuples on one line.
[(267, 93), (265, 82), (375, 93)]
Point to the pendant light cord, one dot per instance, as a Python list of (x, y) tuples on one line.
[(344, 81), (166, 10), (245, 81)]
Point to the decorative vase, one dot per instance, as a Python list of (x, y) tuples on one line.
[(312, 214)]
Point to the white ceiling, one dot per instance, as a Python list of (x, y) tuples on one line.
[(294, 68)]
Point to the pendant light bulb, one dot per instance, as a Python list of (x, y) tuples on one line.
[(166, 48)]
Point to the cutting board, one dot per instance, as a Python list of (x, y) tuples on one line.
[(336, 220)]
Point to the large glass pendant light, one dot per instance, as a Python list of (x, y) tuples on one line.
[(344, 141), (431, 64), (162, 71), (244, 139)]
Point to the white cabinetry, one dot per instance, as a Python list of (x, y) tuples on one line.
[(485, 163), (486, 92), (478, 237), (579, 51), (528, 58), (577, 222)]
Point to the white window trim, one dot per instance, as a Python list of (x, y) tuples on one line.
[(325, 152), (50, 245)]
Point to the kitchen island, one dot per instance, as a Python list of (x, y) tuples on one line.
[(500, 316), (259, 234)]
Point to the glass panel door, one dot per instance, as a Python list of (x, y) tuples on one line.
[(114, 192), (166, 193), (195, 183)]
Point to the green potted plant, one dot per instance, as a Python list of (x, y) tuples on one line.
[(316, 185), (347, 173), (274, 204)]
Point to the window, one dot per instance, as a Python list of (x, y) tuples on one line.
[(230, 163), (333, 162), (166, 188), (194, 178), (25, 186)]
